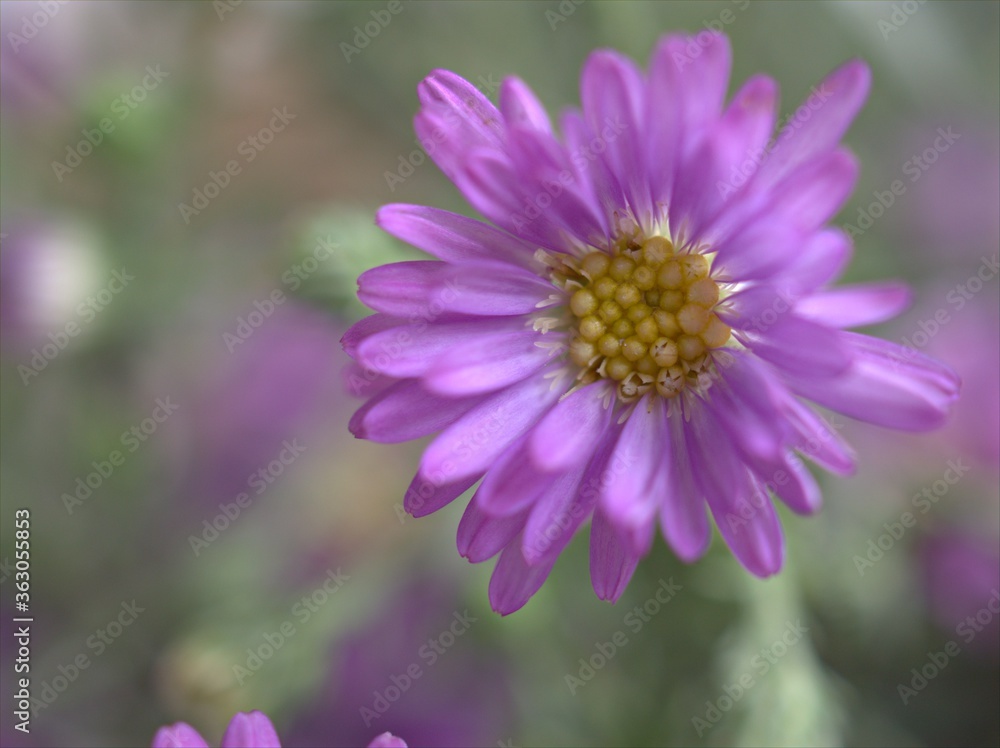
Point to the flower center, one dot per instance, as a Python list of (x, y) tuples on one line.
[(644, 317)]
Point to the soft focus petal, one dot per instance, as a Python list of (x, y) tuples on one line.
[(180, 735), (250, 730), (887, 385), (854, 306), (387, 740), (819, 123)]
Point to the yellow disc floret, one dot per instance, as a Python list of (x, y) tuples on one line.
[(644, 316)]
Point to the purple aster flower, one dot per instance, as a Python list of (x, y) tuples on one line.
[(635, 337), (245, 730)]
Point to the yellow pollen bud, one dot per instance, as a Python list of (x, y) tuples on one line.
[(704, 292), (609, 311), (633, 349), (595, 264), (646, 365), (638, 312), (692, 318), (608, 345), (622, 328), (604, 287), (694, 267), (618, 368), (690, 347), (670, 275), (664, 352), (716, 333), (627, 295), (666, 322), (647, 330), (583, 302), (591, 328), (644, 278), (671, 300), (621, 267)]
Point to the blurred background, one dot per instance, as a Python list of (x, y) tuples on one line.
[(187, 198)]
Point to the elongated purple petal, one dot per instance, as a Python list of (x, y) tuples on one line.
[(799, 346), (451, 237), (471, 444), (410, 350), (683, 519), (612, 94), (513, 481), (627, 499), (482, 535), (427, 495), (514, 581), (569, 433), (854, 306), (818, 440), (612, 561), (820, 122), (488, 362), (741, 507), (888, 385), (407, 411), (521, 108), (250, 730), (556, 515), (179, 735), (427, 289)]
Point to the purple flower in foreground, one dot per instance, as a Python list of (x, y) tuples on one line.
[(635, 337), (245, 730)]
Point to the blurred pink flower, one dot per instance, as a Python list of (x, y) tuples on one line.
[(962, 582), (246, 730)]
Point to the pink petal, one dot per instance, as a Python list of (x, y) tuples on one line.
[(683, 520), (612, 562), (887, 385), (514, 581), (627, 499), (482, 535), (835, 102), (854, 306), (817, 439), (521, 108), (250, 730), (179, 735), (406, 411), (387, 740), (471, 444), (426, 289), (569, 433), (426, 496), (451, 237), (557, 513), (410, 349), (513, 482), (613, 97), (488, 362)]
